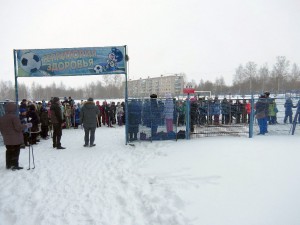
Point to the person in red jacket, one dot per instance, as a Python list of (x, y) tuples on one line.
[(247, 110)]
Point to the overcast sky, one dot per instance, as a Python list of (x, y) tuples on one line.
[(202, 38)]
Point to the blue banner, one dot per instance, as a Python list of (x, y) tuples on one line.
[(70, 61)]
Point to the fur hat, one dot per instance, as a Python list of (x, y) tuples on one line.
[(153, 96)]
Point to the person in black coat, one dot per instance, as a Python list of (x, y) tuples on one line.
[(33, 117), (154, 114), (88, 118), (44, 122), (57, 121), (134, 119)]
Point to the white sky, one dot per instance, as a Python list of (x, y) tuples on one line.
[(203, 39)]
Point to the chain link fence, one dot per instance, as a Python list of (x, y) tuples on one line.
[(166, 119)]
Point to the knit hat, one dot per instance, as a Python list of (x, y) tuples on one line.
[(153, 96), (90, 99)]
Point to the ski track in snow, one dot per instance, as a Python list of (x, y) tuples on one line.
[(99, 185)]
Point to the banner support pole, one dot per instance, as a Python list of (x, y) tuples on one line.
[(16, 79)]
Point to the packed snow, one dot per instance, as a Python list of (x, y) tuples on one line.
[(206, 181)]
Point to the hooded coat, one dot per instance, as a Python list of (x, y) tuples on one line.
[(11, 127)]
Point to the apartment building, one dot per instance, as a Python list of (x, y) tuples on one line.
[(156, 85)]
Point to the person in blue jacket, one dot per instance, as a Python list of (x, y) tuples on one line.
[(288, 105)]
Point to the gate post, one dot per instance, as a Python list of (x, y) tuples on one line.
[(251, 118), (187, 129)]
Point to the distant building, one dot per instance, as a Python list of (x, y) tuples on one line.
[(157, 85)]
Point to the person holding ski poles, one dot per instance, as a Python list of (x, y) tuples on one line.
[(12, 132)]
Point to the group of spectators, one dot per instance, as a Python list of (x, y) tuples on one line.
[(204, 111), (31, 121)]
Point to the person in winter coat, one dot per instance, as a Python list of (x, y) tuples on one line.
[(120, 113), (152, 114), (180, 108), (247, 112), (67, 115), (113, 109), (272, 112), (33, 117), (45, 122), (288, 105), (134, 119), (23, 117), (88, 118), (216, 109), (261, 114), (12, 132), (123, 117), (57, 121), (225, 110), (77, 115), (168, 112), (193, 113), (99, 115), (103, 113)]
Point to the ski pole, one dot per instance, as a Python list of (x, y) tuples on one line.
[(32, 158), (31, 148)]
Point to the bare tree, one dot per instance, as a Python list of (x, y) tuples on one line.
[(239, 77), (295, 77), (7, 90), (263, 76), (250, 74), (280, 71)]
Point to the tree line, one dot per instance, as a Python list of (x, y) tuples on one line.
[(249, 78), (110, 86)]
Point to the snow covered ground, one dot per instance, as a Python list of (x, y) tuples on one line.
[(207, 181)]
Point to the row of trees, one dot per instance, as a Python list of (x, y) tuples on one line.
[(107, 87), (251, 78), (248, 78)]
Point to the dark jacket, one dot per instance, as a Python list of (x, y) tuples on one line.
[(11, 127), (33, 118), (56, 114), (261, 108), (134, 115), (88, 114), (44, 118)]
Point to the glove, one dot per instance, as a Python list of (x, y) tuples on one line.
[(29, 125)]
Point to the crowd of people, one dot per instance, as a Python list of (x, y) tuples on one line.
[(42, 120), (30, 122)]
